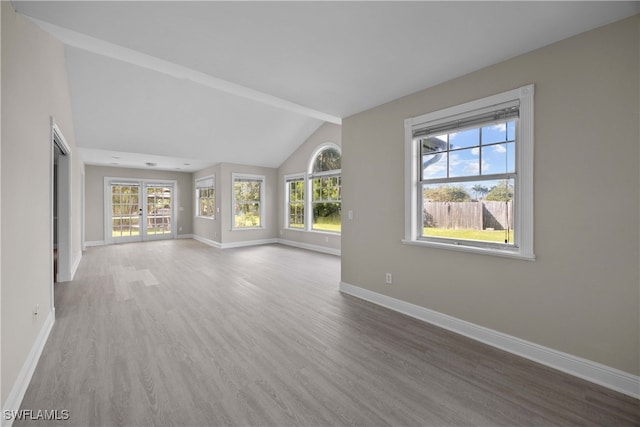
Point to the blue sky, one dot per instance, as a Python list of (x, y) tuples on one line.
[(498, 155), (465, 159)]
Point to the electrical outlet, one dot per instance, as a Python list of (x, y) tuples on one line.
[(388, 278), (179, 228), (350, 215)]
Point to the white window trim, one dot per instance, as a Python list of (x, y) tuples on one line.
[(310, 202), (317, 151), (523, 202), (308, 219), (197, 201), (293, 177), (142, 182), (240, 176), (308, 191)]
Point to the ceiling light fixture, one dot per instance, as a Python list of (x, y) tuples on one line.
[(151, 164)]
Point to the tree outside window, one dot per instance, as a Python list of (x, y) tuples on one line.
[(314, 200), (248, 197), (326, 187)]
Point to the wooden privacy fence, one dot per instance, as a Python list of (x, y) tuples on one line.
[(480, 215)]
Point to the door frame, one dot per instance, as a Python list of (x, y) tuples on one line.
[(108, 210), (63, 214)]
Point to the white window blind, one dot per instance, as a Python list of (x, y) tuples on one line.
[(485, 116), (204, 183)]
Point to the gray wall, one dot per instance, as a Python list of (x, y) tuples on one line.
[(34, 88), (223, 187), (3, 392), (219, 230), (298, 162), (94, 196), (581, 295)]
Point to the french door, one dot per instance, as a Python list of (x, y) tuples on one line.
[(139, 210)]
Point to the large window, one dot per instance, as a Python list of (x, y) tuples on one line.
[(295, 201), (326, 203), (326, 188), (470, 176), (205, 197), (248, 197), (313, 200)]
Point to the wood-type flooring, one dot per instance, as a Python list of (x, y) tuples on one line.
[(176, 333)]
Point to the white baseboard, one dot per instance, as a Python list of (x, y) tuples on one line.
[(94, 243), (206, 241), (185, 236), (14, 400), (76, 263), (248, 243), (310, 247), (261, 242), (597, 373)]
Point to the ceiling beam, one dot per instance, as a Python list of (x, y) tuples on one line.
[(120, 53)]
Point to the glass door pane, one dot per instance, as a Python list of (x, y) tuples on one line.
[(125, 212), (159, 210)]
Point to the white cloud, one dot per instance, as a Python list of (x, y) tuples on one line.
[(463, 167), (437, 169), (470, 168), (475, 151), (500, 126), (499, 149)]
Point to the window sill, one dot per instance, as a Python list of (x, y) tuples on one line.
[(330, 233), (210, 218), (471, 249), (246, 228), (294, 229)]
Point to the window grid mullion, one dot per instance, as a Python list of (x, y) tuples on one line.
[(453, 197), (480, 133)]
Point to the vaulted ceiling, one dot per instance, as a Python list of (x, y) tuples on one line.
[(189, 84)]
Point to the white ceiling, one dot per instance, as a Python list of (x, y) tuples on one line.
[(189, 84)]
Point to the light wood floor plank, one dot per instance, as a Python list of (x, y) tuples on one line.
[(176, 333)]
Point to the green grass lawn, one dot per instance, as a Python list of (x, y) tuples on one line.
[(320, 226), (327, 227), (125, 233), (136, 232), (329, 223), (158, 231), (484, 235), (246, 221)]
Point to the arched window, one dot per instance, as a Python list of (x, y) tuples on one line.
[(314, 199), (326, 160), (326, 188)]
